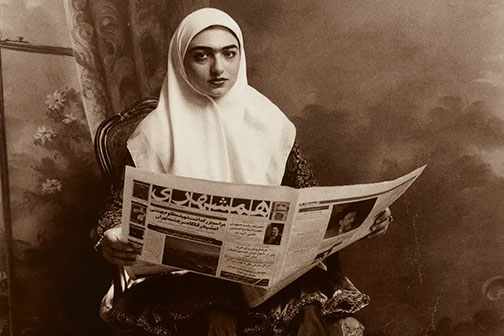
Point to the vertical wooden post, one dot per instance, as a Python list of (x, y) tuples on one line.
[(6, 210)]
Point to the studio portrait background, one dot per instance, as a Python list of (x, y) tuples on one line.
[(375, 88)]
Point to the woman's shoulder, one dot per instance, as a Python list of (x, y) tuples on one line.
[(256, 98), (269, 113)]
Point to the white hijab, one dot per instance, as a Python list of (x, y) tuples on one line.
[(241, 137)]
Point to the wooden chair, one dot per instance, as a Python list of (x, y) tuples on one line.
[(111, 137), (110, 150)]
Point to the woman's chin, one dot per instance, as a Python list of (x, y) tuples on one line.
[(217, 93)]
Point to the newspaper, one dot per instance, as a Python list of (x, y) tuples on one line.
[(261, 236)]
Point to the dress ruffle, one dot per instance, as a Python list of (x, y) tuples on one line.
[(150, 308)]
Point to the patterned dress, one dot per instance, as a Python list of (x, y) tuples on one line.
[(321, 302)]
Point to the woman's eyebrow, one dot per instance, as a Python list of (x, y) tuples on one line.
[(205, 48), (231, 46)]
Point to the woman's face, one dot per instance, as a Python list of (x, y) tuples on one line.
[(212, 61)]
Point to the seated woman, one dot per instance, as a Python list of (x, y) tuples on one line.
[(211, 124)]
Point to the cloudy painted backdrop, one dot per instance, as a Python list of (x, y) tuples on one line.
[(376, 88)]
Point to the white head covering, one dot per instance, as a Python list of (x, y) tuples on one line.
[(241, 137)]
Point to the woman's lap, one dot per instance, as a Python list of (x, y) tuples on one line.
[(179, 305)]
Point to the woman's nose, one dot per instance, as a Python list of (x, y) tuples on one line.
[(217, 68)]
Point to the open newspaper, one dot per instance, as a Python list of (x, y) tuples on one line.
[(261, 236)]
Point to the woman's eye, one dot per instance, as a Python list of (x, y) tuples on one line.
[(230, 54), (200, 56)]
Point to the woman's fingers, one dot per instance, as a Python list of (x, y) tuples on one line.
[(118, 257), (383, 216), (120, 253), (119, 248), (377, 233), (381, 223), (379, 227), (119, 245), (119, 261), (116, 251)]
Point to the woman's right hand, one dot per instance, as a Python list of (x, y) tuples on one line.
[(116, 251)]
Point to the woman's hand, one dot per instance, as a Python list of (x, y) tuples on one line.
[(117, 252), (381, 224), (222, 323)]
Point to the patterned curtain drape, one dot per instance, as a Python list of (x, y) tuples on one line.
[(121, 49)]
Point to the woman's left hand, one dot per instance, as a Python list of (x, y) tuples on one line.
[(381, 224)]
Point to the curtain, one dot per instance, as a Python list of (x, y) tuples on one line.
[(121, 49)]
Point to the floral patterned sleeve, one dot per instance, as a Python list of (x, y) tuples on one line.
[(298, 173), (111, 210)]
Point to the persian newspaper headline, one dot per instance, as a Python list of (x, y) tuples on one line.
[(263, 236)]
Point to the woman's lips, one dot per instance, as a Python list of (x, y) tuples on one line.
[(218, 81)]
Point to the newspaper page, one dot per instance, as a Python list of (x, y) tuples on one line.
[(217, 229), (326, 220), (261, 236)]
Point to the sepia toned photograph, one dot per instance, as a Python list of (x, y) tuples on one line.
[(280, 211), (299, 94), (273, 234), (138, 213), (191, 255), (141, 190), (347, 217)]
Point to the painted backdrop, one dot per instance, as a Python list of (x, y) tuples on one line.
[(376, 88), (55, 185)]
